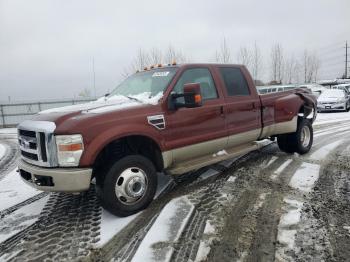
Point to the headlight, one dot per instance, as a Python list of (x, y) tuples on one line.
[(341, 100), (69, 149)]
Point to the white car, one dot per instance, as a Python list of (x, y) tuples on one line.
[(345, 87), (316, 89), (333, 100)]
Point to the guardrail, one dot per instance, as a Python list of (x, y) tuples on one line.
[(11, 114)]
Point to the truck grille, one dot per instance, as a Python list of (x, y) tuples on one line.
[(37, 146)]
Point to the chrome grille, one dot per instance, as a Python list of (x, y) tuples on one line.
[(37, 144)]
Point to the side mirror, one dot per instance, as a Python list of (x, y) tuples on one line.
[(192, 97)]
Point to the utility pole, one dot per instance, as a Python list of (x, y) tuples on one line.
[(93, 71), (346, 60)]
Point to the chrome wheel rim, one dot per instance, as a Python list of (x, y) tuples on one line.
[(305, 136), (131, 185)]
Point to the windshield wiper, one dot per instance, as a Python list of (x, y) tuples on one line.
[(135, 99)]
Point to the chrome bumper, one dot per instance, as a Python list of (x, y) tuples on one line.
[(55, 179)]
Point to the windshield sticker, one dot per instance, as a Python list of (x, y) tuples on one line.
[(163, 73)]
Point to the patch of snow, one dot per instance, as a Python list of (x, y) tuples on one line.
[(347, 228), (3, 150), (108, 108), (292, 217), (220, 153), (337, 129), (329, 118), (106, 104), (287, 237), (272, 160), (260, 201), (280, 169), (146, 98), (156, 246), (322, 153), (204, 245), (14, 191), (21, 218), (305, 177), (262, 143), (231, 179), (112, 225)]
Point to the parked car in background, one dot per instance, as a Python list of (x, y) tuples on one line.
[(333, 100), (345, 87), (275, 88), (316, 89)]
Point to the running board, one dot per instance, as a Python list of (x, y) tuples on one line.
[(196, 163)]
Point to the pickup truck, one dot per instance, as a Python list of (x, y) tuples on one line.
[(167, 118)]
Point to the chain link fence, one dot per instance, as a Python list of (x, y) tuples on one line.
[(11, 114)]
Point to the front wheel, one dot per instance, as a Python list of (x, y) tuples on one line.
[(129, 185), (299, 141)]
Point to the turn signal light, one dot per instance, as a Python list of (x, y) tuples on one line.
[(70, 147), (197, 98)]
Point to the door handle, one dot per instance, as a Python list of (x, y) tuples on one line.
[(222, 110)]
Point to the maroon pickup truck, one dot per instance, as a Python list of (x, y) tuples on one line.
[(170, 119)]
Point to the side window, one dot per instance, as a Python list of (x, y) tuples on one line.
[(201, 76), (235, 82)]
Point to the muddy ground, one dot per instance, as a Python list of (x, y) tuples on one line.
[(254, 212)]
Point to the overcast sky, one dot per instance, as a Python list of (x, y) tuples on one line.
[(47, 47)]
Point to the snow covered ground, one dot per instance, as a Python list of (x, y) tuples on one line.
[(2, 151)]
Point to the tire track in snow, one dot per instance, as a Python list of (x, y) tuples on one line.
[(8, 162), (28, 201)]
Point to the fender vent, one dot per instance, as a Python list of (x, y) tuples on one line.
[(157, 121)]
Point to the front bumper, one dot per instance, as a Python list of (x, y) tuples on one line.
[(331, 107), (55, 179)]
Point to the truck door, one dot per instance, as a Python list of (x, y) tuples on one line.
[(201, 130), (242, 107)]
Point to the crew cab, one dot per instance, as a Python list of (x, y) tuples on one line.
[(171, 119)]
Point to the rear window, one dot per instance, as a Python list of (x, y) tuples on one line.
[(235, 82)]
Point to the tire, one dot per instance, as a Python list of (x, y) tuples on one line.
[(299, 141), (285, 144), (129, 186)]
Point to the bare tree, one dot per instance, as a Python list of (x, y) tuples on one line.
[(223, 55), (256, 61), (156, 56), (277, 63), (290, 63), (311, 66), (245, 57), (173, 55)]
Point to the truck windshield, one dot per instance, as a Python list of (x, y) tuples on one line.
[(150, 83)]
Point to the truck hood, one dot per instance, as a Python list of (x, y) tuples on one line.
[(96, 109), (107, 104)]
